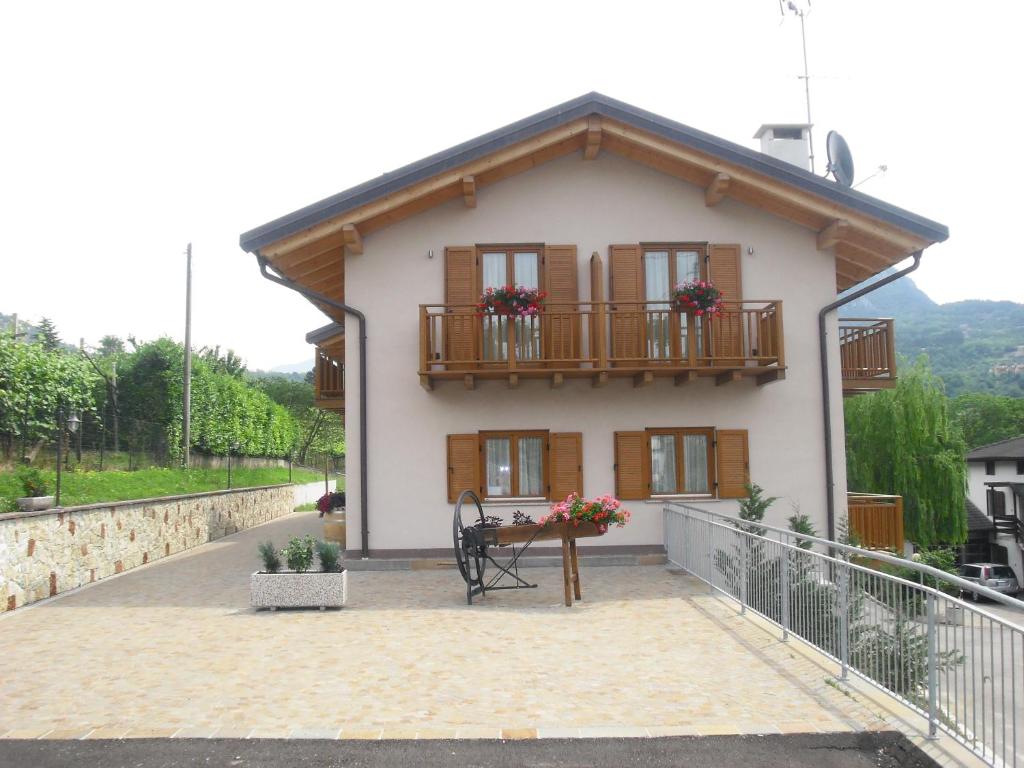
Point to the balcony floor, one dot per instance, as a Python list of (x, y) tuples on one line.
[(762, 374)]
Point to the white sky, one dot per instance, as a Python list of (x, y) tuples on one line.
[(129, 129)]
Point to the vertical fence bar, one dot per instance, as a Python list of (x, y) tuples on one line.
[(744, 556), (933, 663), (844, 620)]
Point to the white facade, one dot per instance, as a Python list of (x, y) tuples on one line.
[(1005, 472), (591, 204)]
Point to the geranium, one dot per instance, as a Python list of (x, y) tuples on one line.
[(603, 512), (512, 301), (697, 296)]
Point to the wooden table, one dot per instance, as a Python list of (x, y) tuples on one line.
[(567, 533)]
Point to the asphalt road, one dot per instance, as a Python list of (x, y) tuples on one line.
[(847, 750)]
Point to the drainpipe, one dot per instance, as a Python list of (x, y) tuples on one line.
[(348, 310), (830, 491)]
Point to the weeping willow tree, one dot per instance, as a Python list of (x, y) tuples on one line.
[(903, 441)]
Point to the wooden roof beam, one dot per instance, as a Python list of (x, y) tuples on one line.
[(717, 190), (830, 236), (593, 141), (353, 240), (469, 191)]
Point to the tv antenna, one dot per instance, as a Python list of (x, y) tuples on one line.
[(796, 10), (840, 159)]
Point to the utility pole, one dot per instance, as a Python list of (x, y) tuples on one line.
[(187, 383)]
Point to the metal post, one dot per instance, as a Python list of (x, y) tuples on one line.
[(289, 467), (743, 574), (229, 469), (784, 591), (844, 620), (327, 485), (186, 418), (60, 439), (933, 687)]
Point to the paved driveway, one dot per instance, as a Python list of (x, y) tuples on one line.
[(173, 649)]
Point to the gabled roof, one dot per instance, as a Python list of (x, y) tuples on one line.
[(865, 234), (1010, 449), (976, 519), (325, 333)]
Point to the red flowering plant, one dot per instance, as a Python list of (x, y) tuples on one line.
[(699, 297), (603, 512), (512, 301)]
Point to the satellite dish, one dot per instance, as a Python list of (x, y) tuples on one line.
[(840, 161)]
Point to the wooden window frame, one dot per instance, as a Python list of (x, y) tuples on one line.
[(990, 467), (712, 464), (1020, 466), (514, 436), (510, 261), (673, 249)]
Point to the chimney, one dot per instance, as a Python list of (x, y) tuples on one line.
[(786, 141)]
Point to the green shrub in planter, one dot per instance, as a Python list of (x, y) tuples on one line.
[(330, 556), (32, 481), (299, 553), (271, 558)]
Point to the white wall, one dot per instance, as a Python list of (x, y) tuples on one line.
[(592, 204), (1006, 472)]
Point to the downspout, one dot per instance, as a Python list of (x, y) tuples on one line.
[(826, 400), (348, 310)]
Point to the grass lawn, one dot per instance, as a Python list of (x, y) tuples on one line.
[(83, 487)]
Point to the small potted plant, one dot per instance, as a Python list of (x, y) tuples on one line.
[(697, 297), (299, 586), (332, 509), (511, 301), (36, 490)]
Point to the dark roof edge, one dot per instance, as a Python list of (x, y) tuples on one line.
[(324, 332), (591, 103), (986, 452)]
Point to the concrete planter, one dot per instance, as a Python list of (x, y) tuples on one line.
[(288, 589), (35, 503)]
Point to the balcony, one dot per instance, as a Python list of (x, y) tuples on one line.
[(602, 340), (867, 353), (876, 520), (328, 382)]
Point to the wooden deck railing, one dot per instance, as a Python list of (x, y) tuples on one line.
[(328, 382), (876, 520), (601, 339), (867, 353)]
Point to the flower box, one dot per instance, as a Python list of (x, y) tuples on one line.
[(35, 503), (511, 301), (697, 297), (291, 589)]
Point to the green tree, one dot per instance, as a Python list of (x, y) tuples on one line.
[(110, 346), (986, 418), (903, 441), (46, 335)]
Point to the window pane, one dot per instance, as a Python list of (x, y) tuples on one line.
[(695, 463), (531, 473), (663, 464), (527, 271), (494, 270), (687, 266), (499, 466), (656, 275)]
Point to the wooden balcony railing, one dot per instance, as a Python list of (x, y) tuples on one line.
[(602, 339), (867, 353), (876, 520), (328, 383)]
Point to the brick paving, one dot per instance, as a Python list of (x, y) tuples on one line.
[(173, 649)]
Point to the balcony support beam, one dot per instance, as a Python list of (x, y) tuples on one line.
[(513, 380), (727, 377), (644, 379), (717, 189), (684, 378), (469, 381), (600, 379), (557, 380), (426, 383), (769, 376)]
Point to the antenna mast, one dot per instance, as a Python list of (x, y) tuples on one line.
[(796, 10)]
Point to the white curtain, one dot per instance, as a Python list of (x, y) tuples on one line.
[(527, 270), (531, 473), (656, 284), (663, 464), (499, 466), (494, 270), (495, 337), (687, 266), (695, 463)]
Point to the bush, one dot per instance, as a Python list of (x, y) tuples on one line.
[(330, 556), (32, 481), (270, 557), (299, 553)]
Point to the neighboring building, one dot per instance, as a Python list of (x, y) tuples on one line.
[(995, 483), (604, 207)]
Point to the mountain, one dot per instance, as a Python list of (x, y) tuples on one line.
[(302, 367), (974, 345)]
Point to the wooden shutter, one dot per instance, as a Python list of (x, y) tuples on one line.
[(632, 462), (463, 465), (733, 463), (626, 273), (565, 459), (460, 287), (727, 330), (561, 323)]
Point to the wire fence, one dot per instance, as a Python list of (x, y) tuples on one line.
[(958, 665)]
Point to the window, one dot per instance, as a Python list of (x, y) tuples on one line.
[(1020, 466), (681, 461), (515, 266), (990, 467), (529, 464), (664, 268)]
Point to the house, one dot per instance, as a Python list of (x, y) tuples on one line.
[(995, 483), (604, 207)]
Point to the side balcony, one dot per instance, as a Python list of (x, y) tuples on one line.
[(867, 353), (876, 520), (328, 382), (602, 340)]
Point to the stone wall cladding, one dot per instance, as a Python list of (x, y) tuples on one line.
[(45, 553)]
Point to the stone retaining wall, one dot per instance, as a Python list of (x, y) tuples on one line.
[(45, 553)]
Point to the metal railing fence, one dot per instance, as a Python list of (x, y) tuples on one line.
[(960, 666)]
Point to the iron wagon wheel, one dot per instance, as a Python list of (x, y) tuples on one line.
[(468, 555)]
